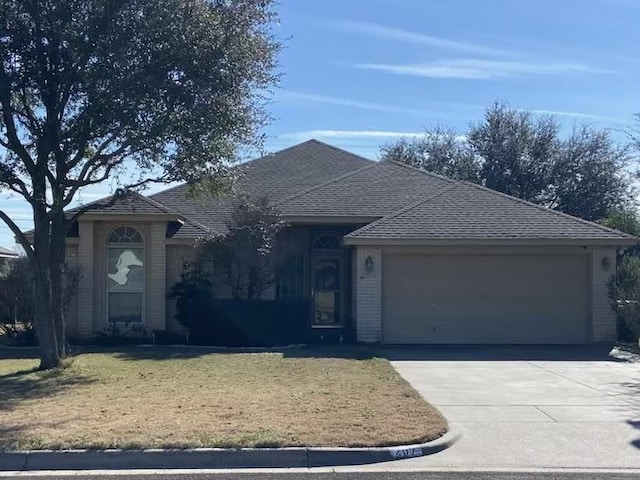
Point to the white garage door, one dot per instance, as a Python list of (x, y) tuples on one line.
[(485, 299)]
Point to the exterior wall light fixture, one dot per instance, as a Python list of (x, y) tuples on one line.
[(368, 265)]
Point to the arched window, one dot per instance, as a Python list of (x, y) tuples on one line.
[(125, 275), (326, 241), (124, 235)]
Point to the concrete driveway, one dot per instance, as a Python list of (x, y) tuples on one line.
[(534, 407)]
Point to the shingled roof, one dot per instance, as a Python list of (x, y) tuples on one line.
[(465, 211), (317, 182), (131, 203), (275, 176), (374, 191), (6, 253)]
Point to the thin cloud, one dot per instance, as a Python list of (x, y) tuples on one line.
[(362, 105), (587, 116), (348, 134), (476, 69), (407, 36)]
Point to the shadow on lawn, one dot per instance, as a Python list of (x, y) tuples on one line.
[(10, 436), (30, 384), (188, 352)]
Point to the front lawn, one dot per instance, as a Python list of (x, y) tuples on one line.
[(176, 398)]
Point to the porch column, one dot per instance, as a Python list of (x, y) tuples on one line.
[(86, 284), (368, 278), (157, 278)]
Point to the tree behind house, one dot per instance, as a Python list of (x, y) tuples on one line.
[(585, 174), (136, 92)]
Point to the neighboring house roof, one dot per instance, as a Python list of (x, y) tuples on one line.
[(465, 211), (314, 181), (6, 253)]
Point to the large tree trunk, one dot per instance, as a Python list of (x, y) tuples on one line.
[(56, 271), (45, 328), (45, 306)]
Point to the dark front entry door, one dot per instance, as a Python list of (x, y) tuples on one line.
[(326, 291)]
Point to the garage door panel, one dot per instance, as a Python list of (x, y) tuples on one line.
[(485, 299)]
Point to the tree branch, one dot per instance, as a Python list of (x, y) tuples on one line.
[(22, 239), (14, 143), (118, 195)]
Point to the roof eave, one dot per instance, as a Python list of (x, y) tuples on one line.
[(371, 241), (98, 215)]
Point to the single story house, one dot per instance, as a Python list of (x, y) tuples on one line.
[(6, 256), (391, 254)]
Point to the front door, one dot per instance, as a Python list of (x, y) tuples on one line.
[(326, 291)]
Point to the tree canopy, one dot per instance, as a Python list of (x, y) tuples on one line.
[(585, 174), (131, 91)]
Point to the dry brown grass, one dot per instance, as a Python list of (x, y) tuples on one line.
[(186, 398)]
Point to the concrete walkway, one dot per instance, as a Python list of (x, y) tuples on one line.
[(530, 408)]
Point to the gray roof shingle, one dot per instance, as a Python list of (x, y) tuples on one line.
[(314, 179), (131, 203), (274, 176), (376, 190), (465, 211)]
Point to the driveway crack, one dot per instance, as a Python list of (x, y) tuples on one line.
[(545, 413), (571, 379)]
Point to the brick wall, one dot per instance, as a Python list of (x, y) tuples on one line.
[(368, 296), (156, 277), (91, 257), (603, 318), (84, 326)]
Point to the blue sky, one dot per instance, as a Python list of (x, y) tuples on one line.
[(359, 73)]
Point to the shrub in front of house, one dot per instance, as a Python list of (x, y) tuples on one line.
[(624, 293), (242, 262), (247, 323), (17, 301)]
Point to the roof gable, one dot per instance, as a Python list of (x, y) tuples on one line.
[(466, 211), (130, 203), (274, 176)]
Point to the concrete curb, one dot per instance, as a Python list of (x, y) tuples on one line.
[(209, 458)]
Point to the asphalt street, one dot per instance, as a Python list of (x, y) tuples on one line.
[(349, 476)]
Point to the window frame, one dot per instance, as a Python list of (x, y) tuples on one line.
[(334, 237), (282, 272), (124, 245)]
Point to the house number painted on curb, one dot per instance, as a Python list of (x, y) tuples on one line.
[(407, 453)]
